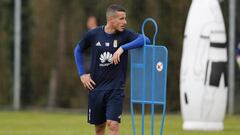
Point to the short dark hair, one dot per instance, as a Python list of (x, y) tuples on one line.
[(112, 9)]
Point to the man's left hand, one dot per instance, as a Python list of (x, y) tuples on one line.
[(116, 56)]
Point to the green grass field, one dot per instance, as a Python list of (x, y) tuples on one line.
[(49, 123)]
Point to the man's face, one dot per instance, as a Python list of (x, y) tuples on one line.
[(119, 21)]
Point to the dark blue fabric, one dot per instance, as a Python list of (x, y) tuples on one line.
[(238, 51), (105, 105), (102, 45)]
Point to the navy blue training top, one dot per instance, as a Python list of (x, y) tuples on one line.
[(103, 45)]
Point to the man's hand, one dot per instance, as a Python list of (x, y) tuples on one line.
[(87, 81), (116, 56)]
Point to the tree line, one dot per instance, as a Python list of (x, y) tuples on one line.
[(50, 31)]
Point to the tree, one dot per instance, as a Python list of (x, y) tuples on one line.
[(6, 44)]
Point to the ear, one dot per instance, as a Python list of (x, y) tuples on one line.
[(110, 19)]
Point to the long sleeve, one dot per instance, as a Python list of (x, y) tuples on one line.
[(138, 42), (79, 60), (82, 45)]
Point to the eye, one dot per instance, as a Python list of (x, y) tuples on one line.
[(122, 18)]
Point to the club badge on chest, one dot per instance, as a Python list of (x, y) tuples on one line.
[(115, 44)]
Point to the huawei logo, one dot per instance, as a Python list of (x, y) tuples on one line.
[(106, 57)]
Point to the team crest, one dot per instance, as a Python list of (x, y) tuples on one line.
[(115, 44)]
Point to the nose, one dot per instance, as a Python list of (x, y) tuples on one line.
[(125, 22)]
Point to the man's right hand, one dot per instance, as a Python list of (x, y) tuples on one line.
[(87, 81)]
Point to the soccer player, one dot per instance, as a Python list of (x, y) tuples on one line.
[(109, 47)]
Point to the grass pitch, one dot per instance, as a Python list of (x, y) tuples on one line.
[(49, 123)]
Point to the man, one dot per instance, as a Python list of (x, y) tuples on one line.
[(109, 45), (92, 22)]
